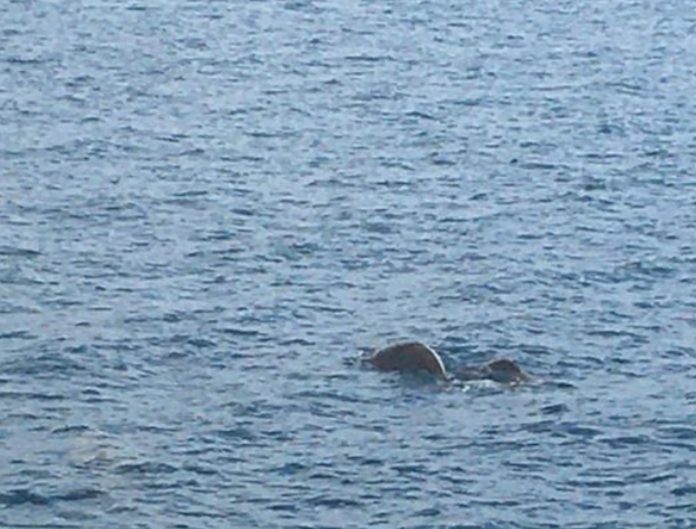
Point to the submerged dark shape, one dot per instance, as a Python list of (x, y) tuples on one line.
[(502, 370), (415, 356)]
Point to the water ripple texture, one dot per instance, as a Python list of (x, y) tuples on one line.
[(208, 210)]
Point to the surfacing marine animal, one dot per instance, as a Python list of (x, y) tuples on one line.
[(417, 357)]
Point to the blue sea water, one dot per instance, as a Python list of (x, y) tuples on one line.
[(209, 209)]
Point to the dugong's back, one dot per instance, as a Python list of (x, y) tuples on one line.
[(505, 371), (408, 356)]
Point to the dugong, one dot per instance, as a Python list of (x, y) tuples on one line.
[(408, 356), (416, 356)]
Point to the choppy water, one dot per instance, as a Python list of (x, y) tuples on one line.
[(208, 208)]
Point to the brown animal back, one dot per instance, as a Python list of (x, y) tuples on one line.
[(408, 356), (506, 371)]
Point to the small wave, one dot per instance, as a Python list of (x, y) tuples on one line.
[(79, 495), (539, 166), (678, 432), (145, 468), (236, 331), (580, 431), (238, 432), (44, 365), (554, 409), (420, 115), (20, 497), (689, 488), (30, 395), (333, 503), (197, 342), (626, 440), (13, 251), (17, 497), (78, 428), (201, 470), (368, 58), (30, 61), (17, 335), (653, 479), (283, 507)]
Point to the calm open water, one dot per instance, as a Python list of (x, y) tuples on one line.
[(208, 209)]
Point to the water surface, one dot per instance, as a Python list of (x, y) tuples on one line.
[(207, 209)]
